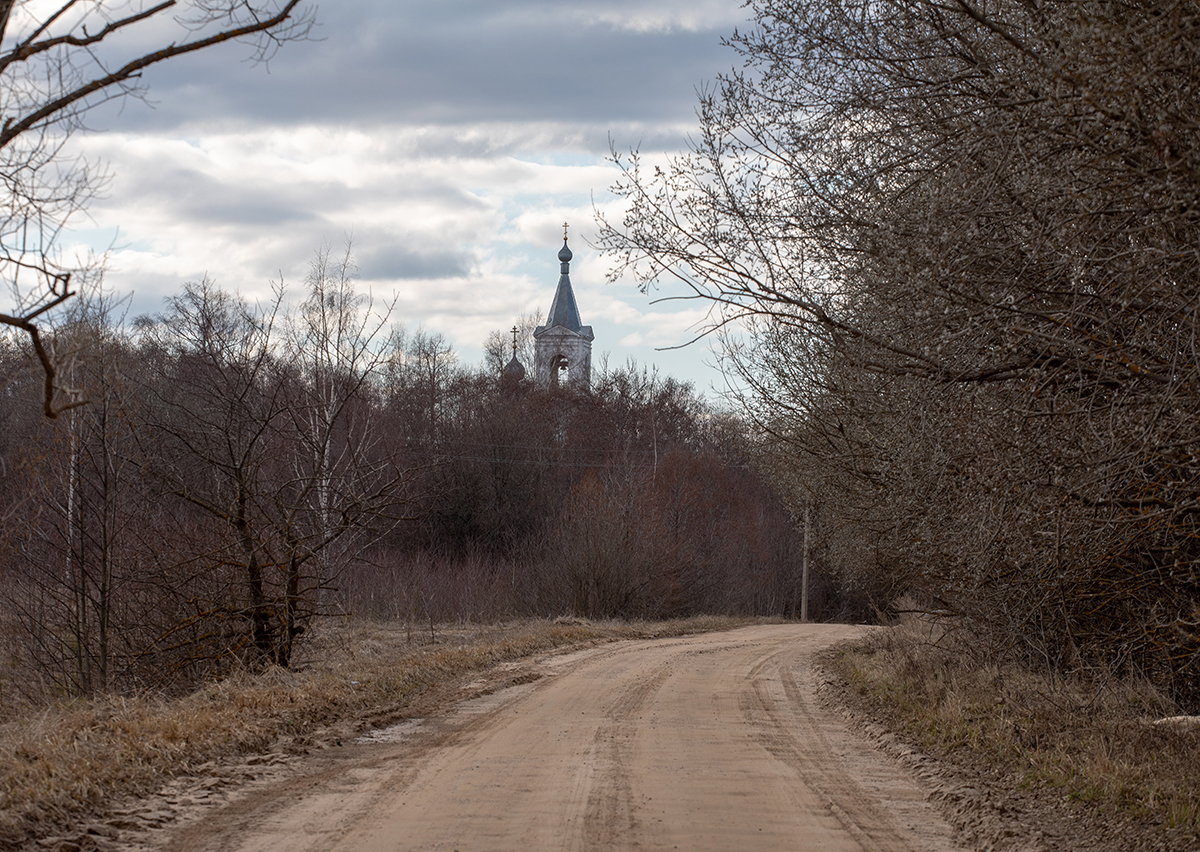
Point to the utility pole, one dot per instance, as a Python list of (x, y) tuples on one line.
[(804, 561)]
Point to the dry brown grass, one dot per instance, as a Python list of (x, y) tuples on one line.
[(1091, 740), (62, 763)]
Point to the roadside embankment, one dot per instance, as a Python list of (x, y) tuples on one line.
[(1027, 760)]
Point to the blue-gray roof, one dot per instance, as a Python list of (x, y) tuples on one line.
[(563, 311)]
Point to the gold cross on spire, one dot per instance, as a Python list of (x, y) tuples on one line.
[(564, 232), (514, 341)]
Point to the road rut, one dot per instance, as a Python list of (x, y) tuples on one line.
[(708, 742)]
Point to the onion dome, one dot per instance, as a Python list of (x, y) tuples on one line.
[(563, 311), (513, 371)]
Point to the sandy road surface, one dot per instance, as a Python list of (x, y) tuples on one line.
[(708, 742)]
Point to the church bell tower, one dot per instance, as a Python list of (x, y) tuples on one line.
[(562, 348)]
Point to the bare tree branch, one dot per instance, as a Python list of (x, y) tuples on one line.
[(51, 75)]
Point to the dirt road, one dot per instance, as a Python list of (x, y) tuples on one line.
[(708, 742)]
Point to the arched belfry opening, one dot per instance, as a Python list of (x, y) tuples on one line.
[(562, 348), (560, 371)]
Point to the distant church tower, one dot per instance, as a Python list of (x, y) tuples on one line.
[(564, 344)]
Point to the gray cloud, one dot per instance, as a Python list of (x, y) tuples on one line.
[(446, 138), (399, 262), (445, 63), (193, 195), (243, 212)]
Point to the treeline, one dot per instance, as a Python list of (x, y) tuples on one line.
[(963, 240), (241, 470)]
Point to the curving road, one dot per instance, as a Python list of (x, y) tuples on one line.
[(708, 742)]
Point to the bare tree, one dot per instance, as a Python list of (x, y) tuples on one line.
[(77, 534), (58, 62), (344, 467), (961, 237), (422, 369), (266, 430), (498, 348)]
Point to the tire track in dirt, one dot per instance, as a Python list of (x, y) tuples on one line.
[(779, 703), (710, 742), (610, 809)]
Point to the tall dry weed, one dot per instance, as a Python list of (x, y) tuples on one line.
[(1090, 737)]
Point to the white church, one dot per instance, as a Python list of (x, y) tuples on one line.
[(562, 348)]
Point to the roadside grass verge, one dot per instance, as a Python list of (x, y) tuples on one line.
[(1093, 742), (63, 763)]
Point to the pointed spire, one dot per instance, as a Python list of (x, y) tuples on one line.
[(564, 342), (563, 310)]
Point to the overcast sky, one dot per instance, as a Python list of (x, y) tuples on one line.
[(450, 139)]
